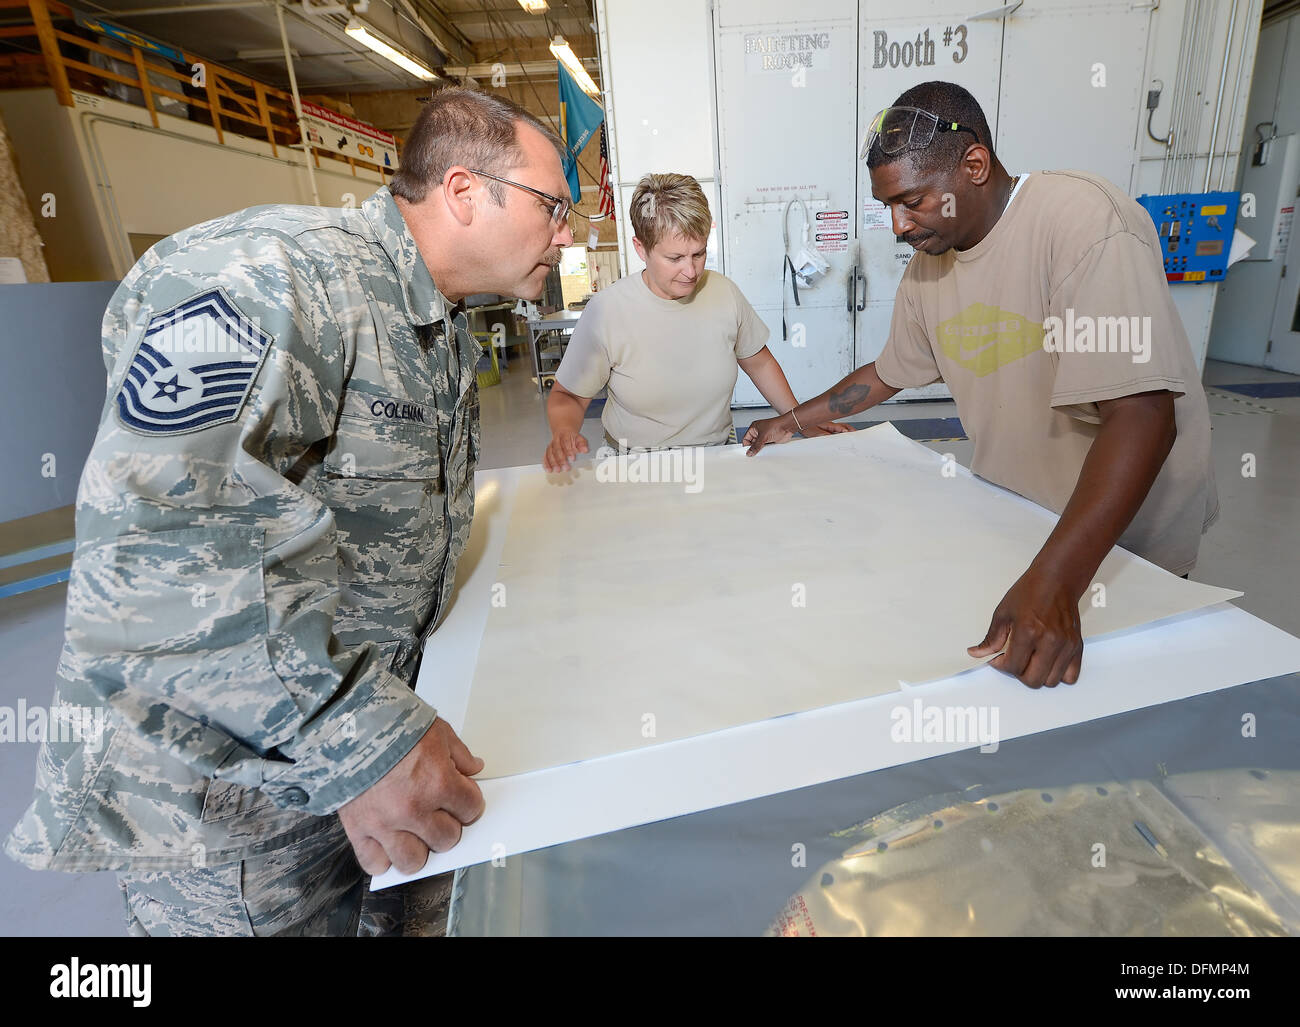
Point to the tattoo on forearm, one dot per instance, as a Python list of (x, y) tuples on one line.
[(847, 400)]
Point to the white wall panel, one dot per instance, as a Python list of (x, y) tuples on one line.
[(1073, 88), (1032, 71)]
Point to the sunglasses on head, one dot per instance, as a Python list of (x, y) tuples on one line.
[(896, 129)]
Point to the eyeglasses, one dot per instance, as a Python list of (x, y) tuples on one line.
[(559, 212), (907, 128)]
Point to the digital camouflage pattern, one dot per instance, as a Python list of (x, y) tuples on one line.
[(259, 555), (313, 887)]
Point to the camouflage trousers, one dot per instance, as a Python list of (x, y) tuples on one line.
[(312, 888)]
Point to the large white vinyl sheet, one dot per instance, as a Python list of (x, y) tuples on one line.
[(630, 613)]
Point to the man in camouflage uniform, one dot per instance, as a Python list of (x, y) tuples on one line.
[(268, 528)]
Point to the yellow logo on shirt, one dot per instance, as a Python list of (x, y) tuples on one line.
[(983, 338)]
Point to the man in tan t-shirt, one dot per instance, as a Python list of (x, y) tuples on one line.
[(1041, 301)]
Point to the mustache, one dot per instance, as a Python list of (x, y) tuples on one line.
[(914, 238), (552, 258)]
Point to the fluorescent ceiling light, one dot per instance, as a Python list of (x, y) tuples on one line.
[(535, 6), (569, 59), (365, 35)]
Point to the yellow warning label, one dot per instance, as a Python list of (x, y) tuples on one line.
[(1194, 276), (1207, 211)]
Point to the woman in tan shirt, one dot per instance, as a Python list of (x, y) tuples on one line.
[(667, 343)]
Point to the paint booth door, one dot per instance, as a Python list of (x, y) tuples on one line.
[(786, 85), (932, 40), (1076, 105), (1283, 353)]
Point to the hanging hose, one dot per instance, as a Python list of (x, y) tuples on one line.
[(788, 264)]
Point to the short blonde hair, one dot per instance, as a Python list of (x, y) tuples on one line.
[(668, 203)]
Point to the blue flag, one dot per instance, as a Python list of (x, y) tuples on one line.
[(580, 116)]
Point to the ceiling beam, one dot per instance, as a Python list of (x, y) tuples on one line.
[(532, 50), (542, 71), (148, 12), (445, 37), (518, 18), (440, 18)]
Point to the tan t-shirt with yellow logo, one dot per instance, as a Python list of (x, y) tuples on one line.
[(1063, 304)]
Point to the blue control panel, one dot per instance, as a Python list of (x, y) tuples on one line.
[(1195, 232)]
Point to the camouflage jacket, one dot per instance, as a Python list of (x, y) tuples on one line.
[(268, 526)]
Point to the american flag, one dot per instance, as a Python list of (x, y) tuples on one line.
[(606, 191)]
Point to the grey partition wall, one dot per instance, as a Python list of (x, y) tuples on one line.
[(52, 385)]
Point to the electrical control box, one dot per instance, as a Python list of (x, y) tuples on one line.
[(1195, 232)]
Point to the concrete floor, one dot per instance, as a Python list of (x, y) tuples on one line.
[(1251, 548)]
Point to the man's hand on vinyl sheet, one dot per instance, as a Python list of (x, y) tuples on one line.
[(418, 807), (1036, 631)]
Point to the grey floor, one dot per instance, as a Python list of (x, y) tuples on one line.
[(1252, 548)]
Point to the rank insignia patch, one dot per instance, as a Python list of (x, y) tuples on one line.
[(192, 368)]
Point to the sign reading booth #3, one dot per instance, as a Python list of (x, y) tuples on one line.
[(192, 368)]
